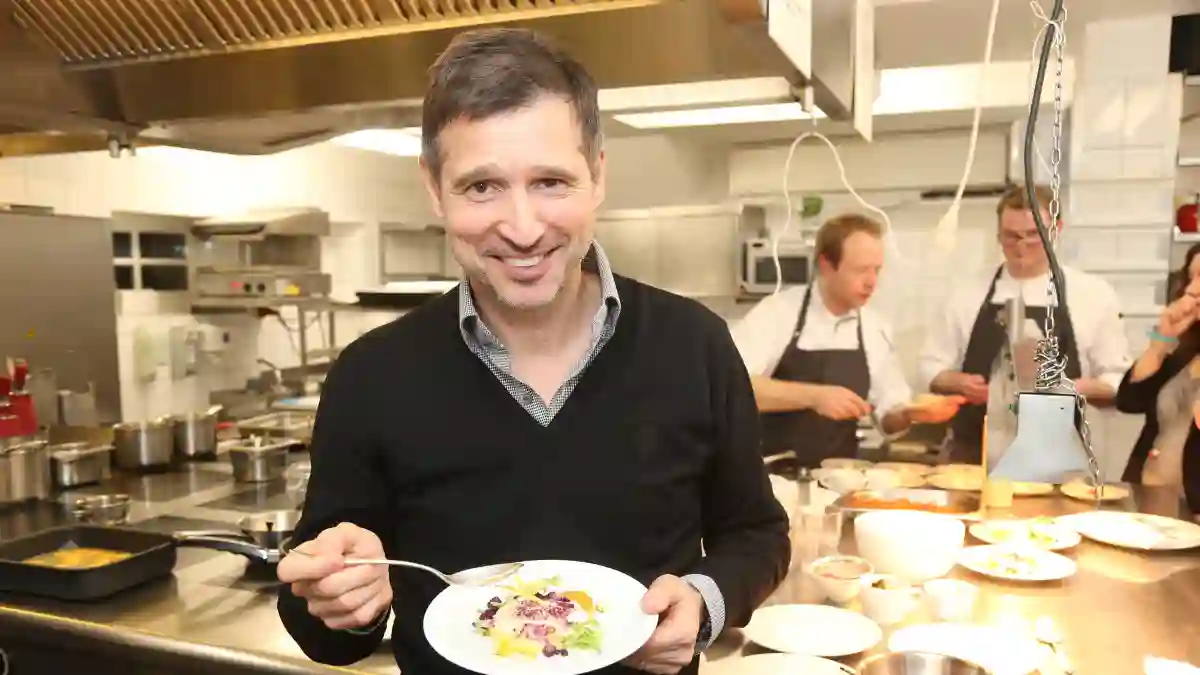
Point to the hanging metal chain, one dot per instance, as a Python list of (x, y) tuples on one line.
[(1051, 363)]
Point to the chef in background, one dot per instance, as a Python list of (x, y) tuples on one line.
[(960, 355), (819, 360)]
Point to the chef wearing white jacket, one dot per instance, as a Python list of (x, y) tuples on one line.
[(818, 359), (962, 353)]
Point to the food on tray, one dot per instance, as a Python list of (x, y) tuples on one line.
[(955, 480), (540, 618), (1041, 532), (871, 501), (1032, 489), (934, 409), (1011, 563), (1079, 489), (78, 558)]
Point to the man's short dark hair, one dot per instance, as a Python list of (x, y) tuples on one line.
[(498, 70)]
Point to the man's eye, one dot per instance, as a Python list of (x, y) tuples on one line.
[(479, 188), (551, 182)]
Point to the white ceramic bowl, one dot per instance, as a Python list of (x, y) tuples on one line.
[(841, 481), (843, 586), (912, 545)]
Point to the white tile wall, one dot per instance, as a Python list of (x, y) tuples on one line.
[(1121, 204)]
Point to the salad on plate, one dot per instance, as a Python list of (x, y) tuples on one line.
[(539, 618), (1041, 532)]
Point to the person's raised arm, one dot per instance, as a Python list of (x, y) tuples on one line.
[(338, 615)]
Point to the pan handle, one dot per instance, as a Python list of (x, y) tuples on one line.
[(223, 541), (224, 534)]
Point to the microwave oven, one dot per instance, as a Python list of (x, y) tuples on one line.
[(758, 266)]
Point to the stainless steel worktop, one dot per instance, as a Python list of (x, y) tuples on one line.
[(216, 607)]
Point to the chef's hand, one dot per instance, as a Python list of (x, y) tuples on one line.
[(970, 385), (839, 403), (1178, 316), (673, 645), (342, 597)]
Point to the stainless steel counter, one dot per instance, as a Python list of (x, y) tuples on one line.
[(217, 608), (220, 609), (1120, 607)]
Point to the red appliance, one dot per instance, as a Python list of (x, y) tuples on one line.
[(1186, 216), (17, 416)]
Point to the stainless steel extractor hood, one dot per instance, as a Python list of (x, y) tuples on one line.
[(257, 225), (261, 76)]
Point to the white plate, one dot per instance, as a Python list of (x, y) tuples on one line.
[(777, 664), (906, 467), (1082, 491), (1045, 566), (846, 463), (1001, 652), (1135, 530), (1021, 489), (813, 630), (965, 481), (1018, 532), (625, 627)]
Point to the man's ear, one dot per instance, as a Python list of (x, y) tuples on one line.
[(432, 187), (601, 180)]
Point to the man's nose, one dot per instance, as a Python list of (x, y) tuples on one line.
[(522, 226)]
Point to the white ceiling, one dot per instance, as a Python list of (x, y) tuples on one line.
[(938, 32)]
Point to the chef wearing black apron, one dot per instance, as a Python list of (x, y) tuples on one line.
[(811, 436), (989, 337)]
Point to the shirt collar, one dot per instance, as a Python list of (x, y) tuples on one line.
[(594, 261), (818, 304)]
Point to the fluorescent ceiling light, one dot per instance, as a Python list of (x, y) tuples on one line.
[(902, 91), (402, 142)]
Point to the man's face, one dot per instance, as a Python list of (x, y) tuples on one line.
[(519, 200), (853, 281), (1023, 252)]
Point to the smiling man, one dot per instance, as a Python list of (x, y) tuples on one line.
[(546, 409)]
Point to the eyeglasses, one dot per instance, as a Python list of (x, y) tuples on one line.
[(1014, 238)]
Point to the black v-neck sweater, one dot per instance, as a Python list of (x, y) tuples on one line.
[(655, 451)]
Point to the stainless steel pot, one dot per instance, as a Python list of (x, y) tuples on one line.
[(196, 434), (259, 537), (75, 464), (102, 509), (919, 663), (258, 461), (25, 472), (143, 445)]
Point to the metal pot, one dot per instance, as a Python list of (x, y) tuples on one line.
[(143, 445), (919, 663), (25, 472), (259, 536), (196, 434), (81, 463), (102, 509), (259, 462)]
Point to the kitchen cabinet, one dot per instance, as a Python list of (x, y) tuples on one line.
[(689, 250)]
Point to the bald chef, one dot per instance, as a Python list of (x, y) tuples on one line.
[(962, 346), (818, 359)]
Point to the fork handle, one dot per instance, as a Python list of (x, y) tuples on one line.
[(399, 563)]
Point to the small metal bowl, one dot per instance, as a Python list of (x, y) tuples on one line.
[(919, 663), (102, 509)]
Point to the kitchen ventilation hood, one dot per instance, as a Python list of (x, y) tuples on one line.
[(257, 225), (262, 76)]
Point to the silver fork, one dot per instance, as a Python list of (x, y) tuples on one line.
[(483, 576)]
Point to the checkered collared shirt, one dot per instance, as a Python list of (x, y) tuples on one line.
[(484, 344)]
